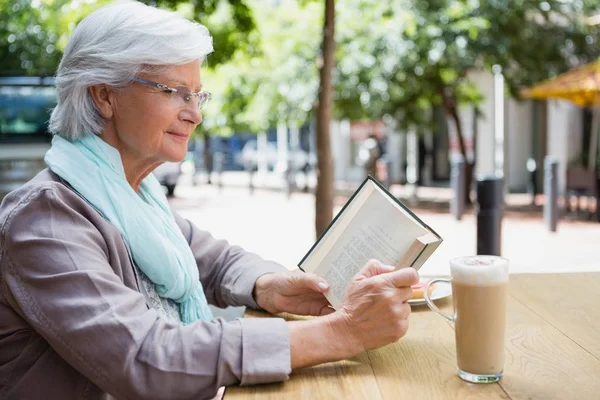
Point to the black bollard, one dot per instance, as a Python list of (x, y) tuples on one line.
[(457, 182), (490, 209), (551, 193)]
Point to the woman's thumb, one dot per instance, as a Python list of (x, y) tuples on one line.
[(372, 268), (316, 283)]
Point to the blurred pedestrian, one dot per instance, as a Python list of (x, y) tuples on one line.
[(370, 150)]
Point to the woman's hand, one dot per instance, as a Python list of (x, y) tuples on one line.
[(295, 292), (375, 311)]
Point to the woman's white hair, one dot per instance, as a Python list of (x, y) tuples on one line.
[(111, 46)]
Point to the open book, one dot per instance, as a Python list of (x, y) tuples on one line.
[(372, 224)]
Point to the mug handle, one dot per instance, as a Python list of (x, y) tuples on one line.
[(430, 303)]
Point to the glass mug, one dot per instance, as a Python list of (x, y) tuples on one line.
[(479, 295)]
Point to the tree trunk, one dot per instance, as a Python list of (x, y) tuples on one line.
[(469, 165), (450, 107), (208, 157), (324, 191)]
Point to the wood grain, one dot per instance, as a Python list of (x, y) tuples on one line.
[(543, 363), (552, 352), (347, 379), (422, 365), (569, 302)]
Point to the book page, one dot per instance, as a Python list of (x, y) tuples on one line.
[(379, 230), (338, 228)]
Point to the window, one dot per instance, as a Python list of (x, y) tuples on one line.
[(25, 110)]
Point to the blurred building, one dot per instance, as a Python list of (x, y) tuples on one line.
[(510, 137)]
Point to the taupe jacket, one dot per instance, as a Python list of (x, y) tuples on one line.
[(74, 325)]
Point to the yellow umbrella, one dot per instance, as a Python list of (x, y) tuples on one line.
[(582, 87)]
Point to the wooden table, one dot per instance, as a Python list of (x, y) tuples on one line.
[(553, 352)]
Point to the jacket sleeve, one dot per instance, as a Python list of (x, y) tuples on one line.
[(228, 273), (56, 274)]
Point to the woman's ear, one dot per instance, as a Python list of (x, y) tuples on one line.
[(103, 98)]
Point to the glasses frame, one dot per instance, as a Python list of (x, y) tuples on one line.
[(202, 96)]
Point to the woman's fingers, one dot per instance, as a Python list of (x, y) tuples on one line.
[(405, 277), (373, 268), (308, 280), (398, 278), (315, 282)]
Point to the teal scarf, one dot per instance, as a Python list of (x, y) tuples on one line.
[(94, 169)]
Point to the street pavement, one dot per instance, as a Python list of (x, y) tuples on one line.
[(281, 227)]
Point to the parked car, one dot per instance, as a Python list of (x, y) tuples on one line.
[(168, 174), (300, 159), (249, 157)]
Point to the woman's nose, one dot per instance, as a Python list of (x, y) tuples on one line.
[(193, 114)]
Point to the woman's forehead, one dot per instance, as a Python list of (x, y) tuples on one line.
[(177, 82), (187, 75)]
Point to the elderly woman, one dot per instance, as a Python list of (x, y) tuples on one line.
[(104, 291)]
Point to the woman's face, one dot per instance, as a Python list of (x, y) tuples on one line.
[(151, 125)]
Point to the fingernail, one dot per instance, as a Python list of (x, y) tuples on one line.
[(323, 285)]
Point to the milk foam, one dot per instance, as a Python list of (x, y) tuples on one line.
[(480, 270)]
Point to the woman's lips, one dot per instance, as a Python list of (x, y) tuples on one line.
[(179, 135)]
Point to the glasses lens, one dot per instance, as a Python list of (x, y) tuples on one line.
[(204, 98), (184, 96)]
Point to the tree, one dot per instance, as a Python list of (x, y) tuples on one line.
[(424, 51), (34, 33), (278, 82), (230, 22), (324, 192)]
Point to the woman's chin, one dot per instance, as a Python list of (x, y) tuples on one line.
[(171, 157), (175, 153)]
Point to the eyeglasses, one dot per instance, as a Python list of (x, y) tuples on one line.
[(180, 95)]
